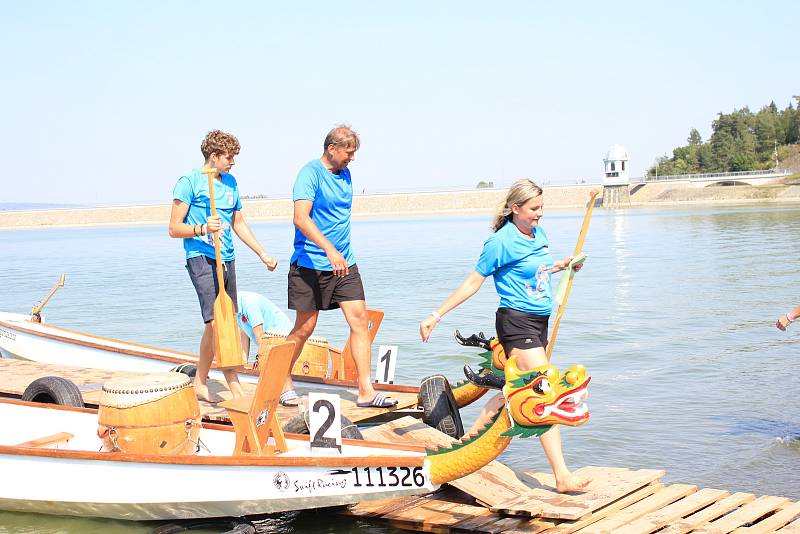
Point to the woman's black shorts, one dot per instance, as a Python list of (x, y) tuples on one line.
[(520, 330)]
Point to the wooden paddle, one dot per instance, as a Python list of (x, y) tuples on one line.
[(227, 344), (578, 249), (40, 305)]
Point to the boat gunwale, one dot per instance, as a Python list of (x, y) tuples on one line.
[(218, 459), (193, 358)]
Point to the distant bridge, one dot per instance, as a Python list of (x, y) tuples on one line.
[(719, 178)]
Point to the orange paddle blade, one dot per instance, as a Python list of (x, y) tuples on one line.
[(227, 344)]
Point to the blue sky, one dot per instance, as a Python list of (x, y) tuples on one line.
[(107, 102)]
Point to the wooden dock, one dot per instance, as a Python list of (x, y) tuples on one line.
[(497, 499), (16, 375)]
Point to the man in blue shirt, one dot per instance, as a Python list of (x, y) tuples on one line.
[(258, 315), (323, 274), (191, 220)]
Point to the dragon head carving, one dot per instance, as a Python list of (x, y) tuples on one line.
[(541, 397)]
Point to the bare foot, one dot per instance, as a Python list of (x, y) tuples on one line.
[(201, 390), (236, 390), (572, 483)]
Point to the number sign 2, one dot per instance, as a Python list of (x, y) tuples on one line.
[(325, 423), (384, 367)]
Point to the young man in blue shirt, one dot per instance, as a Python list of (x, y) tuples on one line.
[(323, 274), (191, 220)]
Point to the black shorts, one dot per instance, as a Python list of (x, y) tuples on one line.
[(312, 290), (520, 330), (203, 272)]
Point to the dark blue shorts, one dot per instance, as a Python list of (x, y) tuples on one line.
[(203, 272)]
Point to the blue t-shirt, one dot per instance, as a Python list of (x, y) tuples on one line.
[(332, 197), (520, 269), (254, 310), (192, 190)]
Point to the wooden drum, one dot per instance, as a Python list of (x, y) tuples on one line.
[(313, 361), (151, 414)]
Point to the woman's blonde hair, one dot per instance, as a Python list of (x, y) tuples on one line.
[(520, 192)]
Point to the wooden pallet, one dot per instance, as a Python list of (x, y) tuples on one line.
[(495, 499), (671, 509), (15, 375)]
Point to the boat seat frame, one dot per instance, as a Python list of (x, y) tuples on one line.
[(255, 417)]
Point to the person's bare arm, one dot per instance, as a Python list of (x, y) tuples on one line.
[(178, 228), (787, 319), (468, 287), (247, 236), (302, 220)]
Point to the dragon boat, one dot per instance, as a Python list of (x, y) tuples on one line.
[(145, 454), (22, 336)]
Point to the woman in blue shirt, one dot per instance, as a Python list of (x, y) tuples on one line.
[(518, 258)]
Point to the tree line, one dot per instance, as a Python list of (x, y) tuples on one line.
[(740, 141)]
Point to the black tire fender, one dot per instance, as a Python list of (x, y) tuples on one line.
[(189, 369), (299, 425), (439, 408), (53, 390)]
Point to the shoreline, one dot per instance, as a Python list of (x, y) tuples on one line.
[(421, 204)]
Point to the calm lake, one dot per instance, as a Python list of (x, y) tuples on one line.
[(673, 316)]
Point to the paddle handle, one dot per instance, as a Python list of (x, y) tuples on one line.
[(578, 249), (40, 305), (210, 172)]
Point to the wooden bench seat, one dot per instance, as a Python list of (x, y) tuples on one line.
[(47, 441)]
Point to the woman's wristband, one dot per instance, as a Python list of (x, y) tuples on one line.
[(194, 230), (436, 316), (790, 318)]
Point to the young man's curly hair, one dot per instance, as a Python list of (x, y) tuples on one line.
[(219, 142)]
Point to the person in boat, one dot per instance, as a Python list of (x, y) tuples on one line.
[(256, 316), (785, 320), (323, 274), (517, 256), (190, 221)]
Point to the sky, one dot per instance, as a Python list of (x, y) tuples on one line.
[(106, 103)]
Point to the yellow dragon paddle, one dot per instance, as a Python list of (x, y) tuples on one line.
[(227, 345), (562, 293)]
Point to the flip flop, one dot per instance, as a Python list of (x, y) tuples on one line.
[(289, 399), (380, 400)]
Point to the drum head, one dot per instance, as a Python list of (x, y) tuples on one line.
[(136, 390)]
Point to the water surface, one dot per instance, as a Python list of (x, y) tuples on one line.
[(673, 316)]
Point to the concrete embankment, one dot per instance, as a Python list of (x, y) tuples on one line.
[(479, 201)]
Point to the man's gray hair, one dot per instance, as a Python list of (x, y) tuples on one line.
[(342, 135)]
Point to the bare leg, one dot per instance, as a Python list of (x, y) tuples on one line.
[(304, 325), (551, 440), (494, 405), (206, 355), (245, 339), (355, 312), (232, 378)]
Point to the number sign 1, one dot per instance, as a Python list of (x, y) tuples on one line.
[(325, 424), (384, 368)]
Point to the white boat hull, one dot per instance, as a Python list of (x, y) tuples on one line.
[(79, 481), (22, 339)]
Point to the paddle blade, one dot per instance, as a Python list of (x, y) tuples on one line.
[(563, 286), (227, 344)]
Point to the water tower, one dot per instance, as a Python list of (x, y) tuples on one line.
[(616, 180)]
